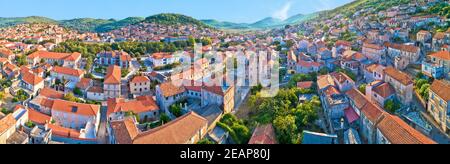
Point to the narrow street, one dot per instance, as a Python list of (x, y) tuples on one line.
[(436, 134), (102, 135)]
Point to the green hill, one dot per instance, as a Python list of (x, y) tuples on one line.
[(85, 24), (173, 19), (118, 24), (5, 22), (225, 25)]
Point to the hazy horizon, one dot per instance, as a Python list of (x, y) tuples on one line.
[(230, 10)]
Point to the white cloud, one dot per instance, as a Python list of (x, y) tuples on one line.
[(283, 12)]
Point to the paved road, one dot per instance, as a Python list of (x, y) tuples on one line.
[(102, 135)]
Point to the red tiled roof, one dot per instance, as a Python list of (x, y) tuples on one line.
[(161, 55), (384, 90), (398, 75), (95, 89), (372, 46), (84, 83), (5, 51), (401, 47), (6, 122), (308, 63), (178, 131), (331, 91), (357, 97), (372, 112), (140, 79), (351, 115), (305, 84), (38, 117), (55, 55), (442, 89), (341, 77), (263, 134), (31, 78), (124, 131), (168, 89), (64, 132), (324, 81), (140, 105), (82, 109), (113, 75), (445, 55), (439, 35), (68, 71), (3, 60), (397, 131), (51, 93)]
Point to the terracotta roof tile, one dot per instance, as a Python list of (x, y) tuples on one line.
[(398, 75), (84, 83), (384, 90), (178, 131), (6, 122), (51, 93), (442, 89), (398, 132), (55, 55), (31, 78), (445, 55), (113, 75), (81, 109), (263, 134), (140, 79), (124, 131), (68, 71), (168, 89), (140, 105), (38, 117)]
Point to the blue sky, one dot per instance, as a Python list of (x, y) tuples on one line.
[(225, 10)]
